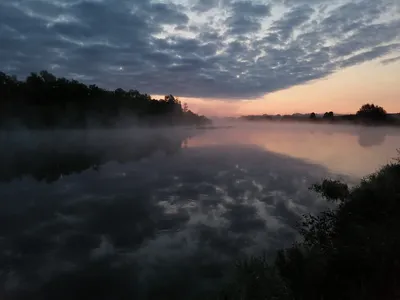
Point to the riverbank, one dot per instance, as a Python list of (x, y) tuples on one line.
[(351, 252)]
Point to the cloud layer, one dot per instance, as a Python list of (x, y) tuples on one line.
[(209, 48)]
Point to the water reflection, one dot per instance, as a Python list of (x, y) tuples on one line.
[(127, 219), (352, 150), (371, 137), (50, 155)]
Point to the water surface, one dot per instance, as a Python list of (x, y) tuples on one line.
[(161, 214)]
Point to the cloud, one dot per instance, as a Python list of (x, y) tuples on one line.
[(210, 49), (351, 16), (367, 37), (290, 21), (204, 5), (390, 60), (243, 218), (246, 17), (168, 14), (369, 55)]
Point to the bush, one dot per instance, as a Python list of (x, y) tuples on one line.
[(253, 278), (352, 252), (372, 113)]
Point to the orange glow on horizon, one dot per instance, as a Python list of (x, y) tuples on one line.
[(343, 92)]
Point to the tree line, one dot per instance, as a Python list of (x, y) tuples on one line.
[(367, 114), (45, 101)]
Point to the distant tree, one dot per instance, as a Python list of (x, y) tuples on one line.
[(169, 99), (328, 115), (47, 77), (371, 112), (313, 116), (185, 107)]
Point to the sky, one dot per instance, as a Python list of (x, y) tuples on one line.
[(222, 57)]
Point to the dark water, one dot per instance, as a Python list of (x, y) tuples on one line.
[(161, 214)]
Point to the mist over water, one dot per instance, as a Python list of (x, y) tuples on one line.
[(162, 213), (350, 150)]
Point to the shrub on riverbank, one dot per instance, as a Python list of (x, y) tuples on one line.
[(352, 252)]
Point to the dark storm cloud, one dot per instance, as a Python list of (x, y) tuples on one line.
[(240, 51)]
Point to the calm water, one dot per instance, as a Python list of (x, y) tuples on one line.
[(161, 214)]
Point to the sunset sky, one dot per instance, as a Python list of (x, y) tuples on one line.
[(343, 92), (222, 57)]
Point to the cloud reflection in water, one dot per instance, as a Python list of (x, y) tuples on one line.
[(146, 223)]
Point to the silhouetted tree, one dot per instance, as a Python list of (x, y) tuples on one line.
[(185, 107), (45, 101), (371, 112), (313, 116), (328, 116)]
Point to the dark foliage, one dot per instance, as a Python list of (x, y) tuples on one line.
[(352, 252), (328, 115), (332, 190), (255, 279), (371, 112), (44, 101), (368, 114)]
